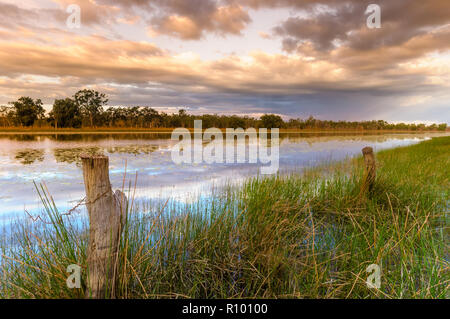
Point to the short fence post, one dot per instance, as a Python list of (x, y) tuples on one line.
[(370, 172), (107, 216)]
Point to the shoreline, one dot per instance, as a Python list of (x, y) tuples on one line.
[(41, 131)]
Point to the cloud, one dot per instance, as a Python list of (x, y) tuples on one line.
[(331, 64), (328, 24), (264, 35), (187, 19), (96, 59), (191, 19), (92, 12), (13, 16)]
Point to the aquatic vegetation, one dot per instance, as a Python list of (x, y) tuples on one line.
[(29, 156), (309, 235)]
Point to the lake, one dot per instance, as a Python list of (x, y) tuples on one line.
[(54, 160)]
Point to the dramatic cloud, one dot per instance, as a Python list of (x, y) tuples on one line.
[(311, 58), (188, 20), (344, 23)]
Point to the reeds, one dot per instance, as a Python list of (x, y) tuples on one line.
[(305, 235)]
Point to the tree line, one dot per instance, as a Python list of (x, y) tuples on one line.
[(88, 108)]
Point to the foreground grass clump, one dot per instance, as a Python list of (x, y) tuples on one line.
[(309, 235)]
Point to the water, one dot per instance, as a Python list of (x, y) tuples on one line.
[(54, 160)]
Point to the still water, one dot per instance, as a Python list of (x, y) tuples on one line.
[(54, 160)]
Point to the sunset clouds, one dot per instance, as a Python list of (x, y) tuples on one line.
[(294, 58)]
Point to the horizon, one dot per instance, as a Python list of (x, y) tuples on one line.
[(175, 109), (294, 59), (219, 157)]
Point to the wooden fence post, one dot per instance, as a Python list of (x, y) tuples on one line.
[(370, 174), (107, 216)]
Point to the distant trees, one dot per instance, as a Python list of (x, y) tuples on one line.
[(65, 113), (138, 116), (25, 111), (5, 115), (91, 103), (272, 121), (236, 122), (86, 109)]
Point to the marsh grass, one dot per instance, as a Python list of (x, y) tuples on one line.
[(309, 235)]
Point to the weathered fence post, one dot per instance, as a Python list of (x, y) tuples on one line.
[(370, 173), (107, 216)]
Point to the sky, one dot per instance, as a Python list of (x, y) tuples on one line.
[(295, 58)]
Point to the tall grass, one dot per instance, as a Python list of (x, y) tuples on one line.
[(309, 235)]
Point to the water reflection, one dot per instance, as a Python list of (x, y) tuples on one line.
[(95, 137), (55, 160), (84, 137)]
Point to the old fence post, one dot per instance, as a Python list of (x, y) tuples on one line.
[(107, 216), (370, 173)]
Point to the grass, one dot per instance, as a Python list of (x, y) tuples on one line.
[(309, 235)]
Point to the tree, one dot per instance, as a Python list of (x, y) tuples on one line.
[(183, 118), (108, 116), (236, 122), (311, 122), (26, 111), (66, 113), (296, 123), (151, 117), (5, 115), (91, 103), (272, 121)]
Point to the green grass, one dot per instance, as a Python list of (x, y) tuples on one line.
[(309, 235)]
